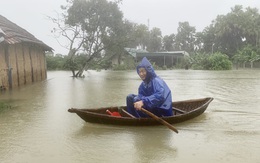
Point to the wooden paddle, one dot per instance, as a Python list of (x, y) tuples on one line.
[(160, 120), (130, 115)]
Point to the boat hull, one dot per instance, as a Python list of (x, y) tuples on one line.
[(184, 110)]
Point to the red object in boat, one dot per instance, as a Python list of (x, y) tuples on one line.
[(116, 114)]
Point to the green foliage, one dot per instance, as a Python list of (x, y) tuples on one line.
[(247, 54), (155, 40), (168, 42), (216, 61), (96, 28), (199, 61), (102, 33), (140, 36), (185, 37), (120, 67), (219, 61), (4, 105), (129, 64), (100, 64), (234, 30), (243, 55), (156, 67), (184, 63), (164, 67), (75, 62), (55, 62)]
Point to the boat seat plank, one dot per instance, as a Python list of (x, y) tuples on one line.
[(178, 110)]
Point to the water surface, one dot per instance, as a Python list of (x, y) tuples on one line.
[(39, 129)]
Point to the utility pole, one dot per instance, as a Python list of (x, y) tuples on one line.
[(148, 24), (212, 48)]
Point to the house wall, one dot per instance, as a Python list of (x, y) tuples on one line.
[(3, 68), (27, 64)]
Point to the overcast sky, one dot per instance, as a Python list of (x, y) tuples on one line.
[(164, 14)]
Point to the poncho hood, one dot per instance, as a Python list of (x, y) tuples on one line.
[(148, 67)]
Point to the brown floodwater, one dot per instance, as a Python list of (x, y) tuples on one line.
[(38, 128)]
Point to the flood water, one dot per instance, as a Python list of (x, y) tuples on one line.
[(38, 128)]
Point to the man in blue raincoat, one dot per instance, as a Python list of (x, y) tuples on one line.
[(153, 94)]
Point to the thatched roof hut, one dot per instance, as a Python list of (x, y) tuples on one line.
[(22, 56)]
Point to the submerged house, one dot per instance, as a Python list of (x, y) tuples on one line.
[(169, 59), (161, 59), (22, 56)]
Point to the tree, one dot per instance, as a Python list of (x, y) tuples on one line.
[(92, 27), (219, 61), (253, 58), (185, 37), (236, 30), (216, 61), (155, 40), (55, 62), (168, 42), (247, 54), (233, 37), (250, 23), (205, 41), (141, 35)]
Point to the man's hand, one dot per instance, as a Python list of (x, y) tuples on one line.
[(138, 105)]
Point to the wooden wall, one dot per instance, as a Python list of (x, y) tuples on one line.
[(27, 64), (3, 68)]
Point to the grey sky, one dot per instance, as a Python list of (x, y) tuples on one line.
[(164, 14)]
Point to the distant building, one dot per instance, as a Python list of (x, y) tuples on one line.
[(22, 56), (168, 59), (129, 52)]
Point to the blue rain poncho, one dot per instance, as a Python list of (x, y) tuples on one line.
[(154, 93)]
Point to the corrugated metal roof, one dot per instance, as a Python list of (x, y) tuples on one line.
[(133, 51), (170, 53), (14, 34)]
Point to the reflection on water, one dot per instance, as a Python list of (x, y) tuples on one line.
[(38, 127)]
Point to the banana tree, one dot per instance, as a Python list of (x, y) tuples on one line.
[(253, 58)]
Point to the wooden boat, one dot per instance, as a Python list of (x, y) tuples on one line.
[(183, 111)]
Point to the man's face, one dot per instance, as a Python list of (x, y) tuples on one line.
[(142, 73)]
